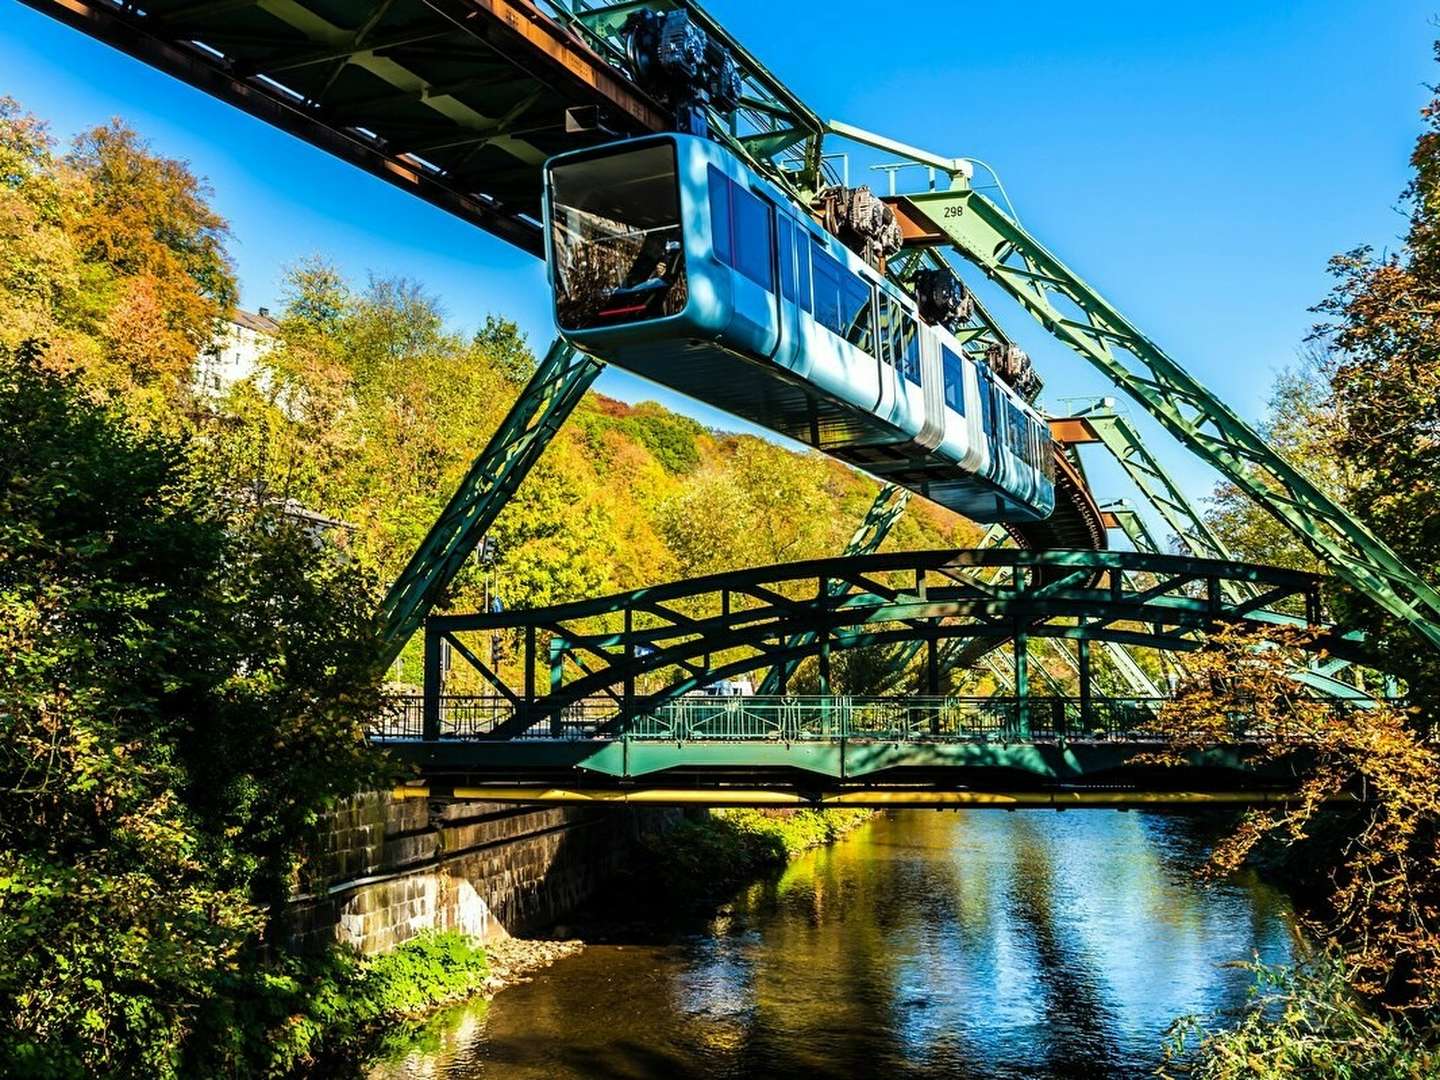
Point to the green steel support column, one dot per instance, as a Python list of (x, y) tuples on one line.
[(1085, 684), (434, 683), (1022, 680), (884, 512), (1078, 316), (559, 382)]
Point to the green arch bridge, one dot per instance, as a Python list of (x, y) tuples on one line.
[(609, 706)]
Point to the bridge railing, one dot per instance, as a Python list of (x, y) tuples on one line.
[(794, 718)]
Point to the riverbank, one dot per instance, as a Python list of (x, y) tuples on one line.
[(512, 961), (698, 861), (702, 859)]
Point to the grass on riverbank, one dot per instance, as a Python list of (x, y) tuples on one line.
[(345, 1008), (704, 856)]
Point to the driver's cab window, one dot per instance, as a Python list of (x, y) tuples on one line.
[(615, 235)]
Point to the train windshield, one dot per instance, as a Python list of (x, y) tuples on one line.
[(615, 234)]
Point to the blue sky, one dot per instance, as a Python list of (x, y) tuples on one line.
[(1198, 165)]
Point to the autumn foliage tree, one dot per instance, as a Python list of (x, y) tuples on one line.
[(1367, 807), (112, 255)]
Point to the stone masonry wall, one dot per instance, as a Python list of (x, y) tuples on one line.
[(385, 868)]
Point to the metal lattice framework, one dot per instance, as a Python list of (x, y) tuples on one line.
[(1081, 318), (643, 648), (460, 102)]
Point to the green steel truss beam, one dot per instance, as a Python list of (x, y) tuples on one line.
[(884, 512), (559, 382), (1081, 318), (689, 634), (1132, 525), (1117, 435)]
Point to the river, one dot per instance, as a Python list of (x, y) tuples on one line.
[(1030, 944)]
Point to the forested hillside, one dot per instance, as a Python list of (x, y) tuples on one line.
[(372, 404)]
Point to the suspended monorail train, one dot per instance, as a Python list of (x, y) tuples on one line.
[(671, 258)]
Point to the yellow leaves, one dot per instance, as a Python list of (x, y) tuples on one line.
[(1384, 873)]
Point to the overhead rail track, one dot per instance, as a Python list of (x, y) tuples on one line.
[(1076, 314)]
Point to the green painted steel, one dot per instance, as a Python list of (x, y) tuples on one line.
[(809, 745), (772, 124), (639, 649), (1080, 317), (1132, 525), (1118, 436), (559, 382)]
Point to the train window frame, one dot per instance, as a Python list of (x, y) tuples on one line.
[(952, 371), (580, 223), (826, 267), (987, 420), (754, 253), (721, 240), (739, 246), (785, 249), (909, 345), (802, 268), (858, 296)]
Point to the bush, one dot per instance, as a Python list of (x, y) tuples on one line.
[(711, 854), (184, 687), (1303, 1021), (347, 1008)]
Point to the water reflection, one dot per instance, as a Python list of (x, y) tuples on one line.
[(985, 944)]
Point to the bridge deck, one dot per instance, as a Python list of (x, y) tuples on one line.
[(848, 751)]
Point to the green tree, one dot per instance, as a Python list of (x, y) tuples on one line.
[(184, 685)]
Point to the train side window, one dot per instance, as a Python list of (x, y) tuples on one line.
[(754, 237), (954, 372), (827, 274), (987, 421), (721, 225), (1047, 455), (785, 244), (1017, 430), (889, 335), (802, 267), (909, 346), (858, 312), (843, 302)]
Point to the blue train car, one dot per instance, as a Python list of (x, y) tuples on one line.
[(670, 258)]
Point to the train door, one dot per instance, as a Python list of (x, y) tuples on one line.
[(889, 350), (792, 251)]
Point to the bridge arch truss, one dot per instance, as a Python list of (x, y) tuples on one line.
[(634, 652)]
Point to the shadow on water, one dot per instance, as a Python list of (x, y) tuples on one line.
[(982, 944)]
